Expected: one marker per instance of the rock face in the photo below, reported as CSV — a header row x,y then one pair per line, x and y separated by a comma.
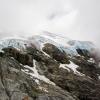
x,y
48,74
17,85
83,52
23,58
55,53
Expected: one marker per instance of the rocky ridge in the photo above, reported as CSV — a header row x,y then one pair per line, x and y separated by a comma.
x,y
45,70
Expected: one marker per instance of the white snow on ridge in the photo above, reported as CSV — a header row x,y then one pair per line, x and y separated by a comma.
x,y
72,67
91,60
16,43
36,74
64,66
63,43
58,39
43,89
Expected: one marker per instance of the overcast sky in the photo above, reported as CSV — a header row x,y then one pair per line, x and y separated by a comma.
x,y
77,19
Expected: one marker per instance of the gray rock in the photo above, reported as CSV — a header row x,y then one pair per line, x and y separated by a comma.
x,y
16,85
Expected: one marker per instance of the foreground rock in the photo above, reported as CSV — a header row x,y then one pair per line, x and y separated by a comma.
x,y
15,84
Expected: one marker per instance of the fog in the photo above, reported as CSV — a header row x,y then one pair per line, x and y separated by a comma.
x,y
77,19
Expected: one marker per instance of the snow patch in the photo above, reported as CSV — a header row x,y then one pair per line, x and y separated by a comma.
x,y
91,60
99,77
37,81
43,89
64,66
72,66
36,74
42,45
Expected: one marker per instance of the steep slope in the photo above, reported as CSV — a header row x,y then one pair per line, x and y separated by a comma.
x,y
48,67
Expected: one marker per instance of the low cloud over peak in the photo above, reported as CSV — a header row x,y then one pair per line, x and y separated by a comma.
x,y
74,18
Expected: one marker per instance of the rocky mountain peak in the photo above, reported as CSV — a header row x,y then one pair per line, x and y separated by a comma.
x,y
49,67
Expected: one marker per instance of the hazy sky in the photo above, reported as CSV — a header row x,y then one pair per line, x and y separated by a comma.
x,y
77,19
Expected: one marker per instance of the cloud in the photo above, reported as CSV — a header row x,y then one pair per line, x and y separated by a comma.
x,y
77,19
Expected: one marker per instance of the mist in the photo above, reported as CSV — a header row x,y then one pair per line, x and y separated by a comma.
x,y
77,19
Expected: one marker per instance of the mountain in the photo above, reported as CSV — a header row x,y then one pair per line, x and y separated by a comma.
x,y
62,42
48,67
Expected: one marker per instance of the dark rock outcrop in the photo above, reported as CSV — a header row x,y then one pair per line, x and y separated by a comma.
x,y
55,53
83,52
23,58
